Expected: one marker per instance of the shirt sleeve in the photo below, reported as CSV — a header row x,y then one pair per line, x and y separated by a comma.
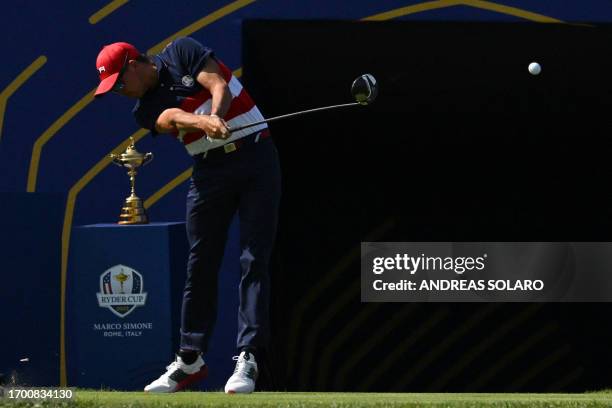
x,y
192,55
146,118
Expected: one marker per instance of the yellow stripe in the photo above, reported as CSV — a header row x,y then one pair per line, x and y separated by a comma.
x,y
49,133
177,181
436,350
415,8
106,10
513,353
67,229
204,21
566,380
312,295
381,332
2,110
459,366
321,286
17,82
406,343
511,11
481,4
543,363
323,318
344,333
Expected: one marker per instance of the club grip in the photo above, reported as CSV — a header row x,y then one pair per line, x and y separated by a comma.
x,y
248,125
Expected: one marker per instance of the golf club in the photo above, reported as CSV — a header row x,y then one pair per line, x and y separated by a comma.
x,y
364,89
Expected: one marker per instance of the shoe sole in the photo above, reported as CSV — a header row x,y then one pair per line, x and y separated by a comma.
x,y
200,375
238,392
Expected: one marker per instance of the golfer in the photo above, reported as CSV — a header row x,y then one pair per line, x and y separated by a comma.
x,y
187,92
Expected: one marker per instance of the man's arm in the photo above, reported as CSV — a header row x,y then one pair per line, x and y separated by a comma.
x,y
210,77
175,119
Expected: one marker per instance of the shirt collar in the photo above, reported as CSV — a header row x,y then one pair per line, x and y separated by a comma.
x,y
161,70
159,64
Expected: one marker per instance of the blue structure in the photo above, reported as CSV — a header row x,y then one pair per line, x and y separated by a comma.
x,y
30,293
124,298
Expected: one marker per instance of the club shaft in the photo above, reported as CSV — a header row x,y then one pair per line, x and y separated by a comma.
x,y
248,125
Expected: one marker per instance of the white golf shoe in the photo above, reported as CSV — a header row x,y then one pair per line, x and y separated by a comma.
x,y
179,375
245,375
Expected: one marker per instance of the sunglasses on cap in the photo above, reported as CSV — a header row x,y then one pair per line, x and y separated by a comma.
x,y
119,85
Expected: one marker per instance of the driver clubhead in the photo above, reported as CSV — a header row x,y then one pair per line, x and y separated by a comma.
x,y
365,89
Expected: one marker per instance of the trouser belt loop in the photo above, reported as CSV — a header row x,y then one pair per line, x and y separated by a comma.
x,y
235,145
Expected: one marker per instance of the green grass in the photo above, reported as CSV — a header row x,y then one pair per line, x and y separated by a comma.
x,y
340,400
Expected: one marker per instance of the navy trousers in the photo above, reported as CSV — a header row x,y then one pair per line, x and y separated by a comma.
x,y
246,181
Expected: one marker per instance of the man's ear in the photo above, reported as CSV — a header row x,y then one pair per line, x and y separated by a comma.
x,y
132,64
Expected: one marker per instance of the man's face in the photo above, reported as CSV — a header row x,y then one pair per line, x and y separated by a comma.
x,y
131,80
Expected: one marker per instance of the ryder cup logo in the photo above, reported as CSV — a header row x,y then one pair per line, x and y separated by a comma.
x,y
121,290
187,80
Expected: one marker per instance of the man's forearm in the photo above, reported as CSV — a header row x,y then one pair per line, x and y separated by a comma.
x,y
188,122
221,100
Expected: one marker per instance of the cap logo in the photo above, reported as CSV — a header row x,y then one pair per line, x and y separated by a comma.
x,y
102,69
187,80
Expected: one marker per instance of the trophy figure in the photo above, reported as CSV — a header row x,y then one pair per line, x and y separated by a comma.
x,y
122,277
133,211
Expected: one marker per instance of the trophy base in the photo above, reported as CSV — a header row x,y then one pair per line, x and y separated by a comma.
x,y
133,212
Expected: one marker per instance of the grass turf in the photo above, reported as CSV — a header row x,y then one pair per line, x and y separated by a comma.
x,y
314,399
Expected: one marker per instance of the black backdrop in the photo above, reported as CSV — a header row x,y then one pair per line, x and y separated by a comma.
x,y
463,144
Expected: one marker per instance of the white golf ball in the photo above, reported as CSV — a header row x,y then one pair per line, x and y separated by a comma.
x,y
535,68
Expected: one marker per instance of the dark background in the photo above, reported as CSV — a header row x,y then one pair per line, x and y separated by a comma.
x,y
463,144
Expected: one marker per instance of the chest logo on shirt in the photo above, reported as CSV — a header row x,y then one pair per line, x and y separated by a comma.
x,y
187,80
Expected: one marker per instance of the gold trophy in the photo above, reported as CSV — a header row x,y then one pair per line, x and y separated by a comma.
x,y
122,277
133,211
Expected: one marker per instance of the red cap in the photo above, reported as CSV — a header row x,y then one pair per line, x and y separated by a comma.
x,y
109,63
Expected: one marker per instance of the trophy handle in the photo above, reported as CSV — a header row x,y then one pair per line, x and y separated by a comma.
x,y
116,159
148,157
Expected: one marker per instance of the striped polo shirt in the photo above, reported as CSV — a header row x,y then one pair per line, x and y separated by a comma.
x,y
178,66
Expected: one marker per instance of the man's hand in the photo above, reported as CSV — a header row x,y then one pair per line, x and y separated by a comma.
x,y
215,127
175,119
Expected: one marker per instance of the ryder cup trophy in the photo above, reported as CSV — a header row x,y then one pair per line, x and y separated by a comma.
x,y
133,211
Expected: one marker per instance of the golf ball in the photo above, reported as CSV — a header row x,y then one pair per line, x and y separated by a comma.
x,y
535,68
